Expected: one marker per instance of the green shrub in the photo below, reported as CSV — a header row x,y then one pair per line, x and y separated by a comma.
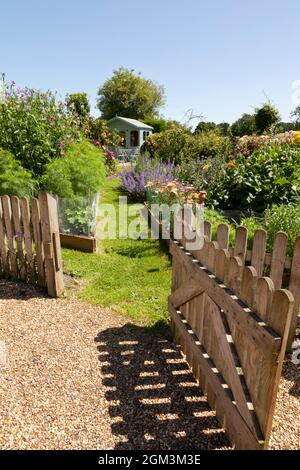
x,y
204,145
202,173
79,173
215,218
14,180
78,104
166,146
159,125
252,224
270,175
284,218
179,145
35,127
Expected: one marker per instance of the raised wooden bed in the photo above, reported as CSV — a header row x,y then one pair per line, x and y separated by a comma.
x,y
79,242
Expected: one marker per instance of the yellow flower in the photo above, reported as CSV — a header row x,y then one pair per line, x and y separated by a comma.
x,y
231,164
206,166
296,138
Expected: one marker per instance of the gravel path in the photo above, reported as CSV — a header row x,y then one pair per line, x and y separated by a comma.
x,y
80,377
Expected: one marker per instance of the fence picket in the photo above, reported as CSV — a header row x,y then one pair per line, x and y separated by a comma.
x,y
259,251
25,213
3,245
263,297
19,235
223,236
22,241
294,287
49,226
248,285
278,258
234,274
37,234
222,261
6,206
240,247
207,230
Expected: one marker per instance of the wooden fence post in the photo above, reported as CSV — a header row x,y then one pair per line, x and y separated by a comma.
x,y
51,244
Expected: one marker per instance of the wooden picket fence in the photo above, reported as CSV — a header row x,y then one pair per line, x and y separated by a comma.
x,y
284,271
29,242
233,325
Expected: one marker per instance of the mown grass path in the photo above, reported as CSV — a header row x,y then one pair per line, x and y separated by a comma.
x,y
131,277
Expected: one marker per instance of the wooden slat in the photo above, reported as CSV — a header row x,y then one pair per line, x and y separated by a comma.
x,y
222,265
234,274
207,230
264,338
294,287
185,293
223,236
3,245
240,246
212,250
259,251
232,372
278,258
280,319
9,228
248,285
25,213
263,297
49,225
37,234
235,424
19,236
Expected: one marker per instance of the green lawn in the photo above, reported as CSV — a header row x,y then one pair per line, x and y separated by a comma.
x,y
130,276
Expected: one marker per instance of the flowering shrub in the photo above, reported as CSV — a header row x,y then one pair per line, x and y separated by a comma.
x,y
296,138
173,192
35,127
202,173
135,179
270,175
109,157
166,146
205,144
248,143
179,145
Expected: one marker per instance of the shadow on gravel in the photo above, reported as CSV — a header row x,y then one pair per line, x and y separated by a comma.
x,y
154,401
18,290
291,372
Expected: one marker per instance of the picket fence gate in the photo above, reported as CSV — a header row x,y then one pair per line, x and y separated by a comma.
x,y
283,270
233,325
29,242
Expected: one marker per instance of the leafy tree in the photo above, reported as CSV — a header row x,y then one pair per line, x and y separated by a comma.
x,y
204,126
78,103
127,94
245,125
265,117
159,125
296,114
224,128
288,126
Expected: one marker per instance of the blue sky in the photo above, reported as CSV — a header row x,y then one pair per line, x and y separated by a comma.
x,y
219,58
